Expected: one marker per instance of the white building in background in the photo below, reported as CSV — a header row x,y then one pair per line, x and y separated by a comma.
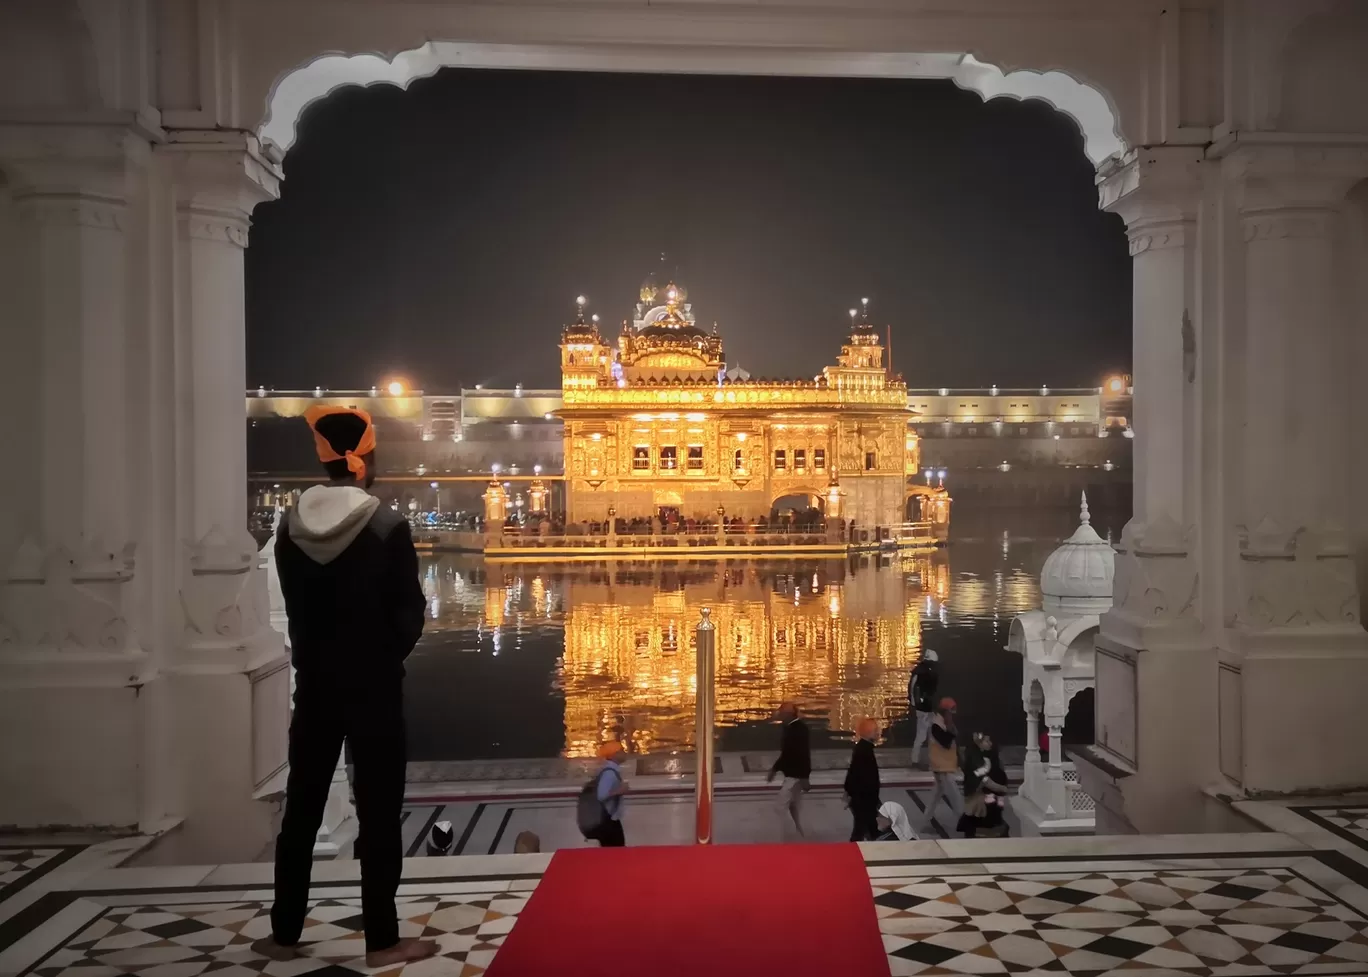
x,y
1058,662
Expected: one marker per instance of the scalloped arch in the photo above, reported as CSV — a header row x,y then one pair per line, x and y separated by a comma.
x,y
293,92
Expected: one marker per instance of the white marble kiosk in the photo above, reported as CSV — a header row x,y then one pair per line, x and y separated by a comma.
x,y
1055,642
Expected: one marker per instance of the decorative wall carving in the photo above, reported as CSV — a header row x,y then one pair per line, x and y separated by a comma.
x,y
1157,236
1296,578
217,229
224,596
71,211
59,600
1271,225
1156,578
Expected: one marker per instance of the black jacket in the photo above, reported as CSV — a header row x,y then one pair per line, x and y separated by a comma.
x,y
862,779
349,576
795,753
921,686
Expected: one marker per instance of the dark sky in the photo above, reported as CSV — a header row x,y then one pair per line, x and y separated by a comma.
x,y
444,231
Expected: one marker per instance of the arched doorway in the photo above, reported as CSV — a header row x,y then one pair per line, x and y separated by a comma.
x,y
159,272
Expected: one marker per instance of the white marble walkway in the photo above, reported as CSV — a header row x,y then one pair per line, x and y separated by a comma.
x,y
1292,899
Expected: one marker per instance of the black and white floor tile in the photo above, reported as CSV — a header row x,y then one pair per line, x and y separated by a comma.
x,y
1348,822
1185,921
18,863
215,938
1201,906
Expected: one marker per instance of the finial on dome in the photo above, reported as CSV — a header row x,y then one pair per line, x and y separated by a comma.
x,y
1083,516
580,302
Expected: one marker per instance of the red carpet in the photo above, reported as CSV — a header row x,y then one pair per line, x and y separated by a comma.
x,y
720,911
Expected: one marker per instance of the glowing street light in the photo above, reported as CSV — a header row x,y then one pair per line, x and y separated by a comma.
x,y
395,388
1116,385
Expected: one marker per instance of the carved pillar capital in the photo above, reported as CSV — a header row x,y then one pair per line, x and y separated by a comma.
x,y
1155,190
219,178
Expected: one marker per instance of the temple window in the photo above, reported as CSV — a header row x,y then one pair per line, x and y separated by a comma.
x,y
780,460
869,461
819,458
695,457
641,458
799,459
737,461
669,458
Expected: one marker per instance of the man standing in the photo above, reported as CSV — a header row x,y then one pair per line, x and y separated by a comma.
x,y
795,764
921,698
944,757
349,576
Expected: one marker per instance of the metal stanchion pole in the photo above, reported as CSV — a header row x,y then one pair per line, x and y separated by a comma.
x,y
705,638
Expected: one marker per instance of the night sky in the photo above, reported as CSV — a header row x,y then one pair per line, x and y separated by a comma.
x,y
443,232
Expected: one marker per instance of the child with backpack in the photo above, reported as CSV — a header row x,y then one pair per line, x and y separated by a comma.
x,y
599,811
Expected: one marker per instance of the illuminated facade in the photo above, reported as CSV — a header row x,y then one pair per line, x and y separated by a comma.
x,y
660,423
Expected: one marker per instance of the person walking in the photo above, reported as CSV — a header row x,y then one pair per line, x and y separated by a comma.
x,y
349,576
944,761
921,698
862,784
611,788
795,764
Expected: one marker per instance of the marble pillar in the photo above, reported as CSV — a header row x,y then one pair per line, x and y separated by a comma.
x,y
70,576
229,678
1032,736
1153,660
1297,646
1054,726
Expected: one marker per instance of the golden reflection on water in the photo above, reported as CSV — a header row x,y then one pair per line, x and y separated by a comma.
x,y
836,637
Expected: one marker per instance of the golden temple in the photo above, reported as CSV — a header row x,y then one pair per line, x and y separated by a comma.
x,y
660,423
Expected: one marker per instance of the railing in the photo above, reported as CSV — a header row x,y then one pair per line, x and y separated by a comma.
x,y
629,541
1065,798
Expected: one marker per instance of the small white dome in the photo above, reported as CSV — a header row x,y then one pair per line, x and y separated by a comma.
x,y
1079,573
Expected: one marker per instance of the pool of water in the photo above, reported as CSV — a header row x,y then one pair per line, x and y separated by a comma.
x,y
544,660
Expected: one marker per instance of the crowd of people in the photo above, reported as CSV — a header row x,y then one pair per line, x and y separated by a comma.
x,y
670,523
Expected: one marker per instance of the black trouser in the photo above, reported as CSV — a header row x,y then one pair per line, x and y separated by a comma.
x,y
865,812
610,834
373,725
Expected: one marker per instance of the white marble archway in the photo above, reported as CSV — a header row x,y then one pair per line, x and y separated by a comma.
x,y
1086,104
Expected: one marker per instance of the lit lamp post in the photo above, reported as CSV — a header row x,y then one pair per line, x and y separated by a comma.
x,y
437,487
496,504
536,497
705,638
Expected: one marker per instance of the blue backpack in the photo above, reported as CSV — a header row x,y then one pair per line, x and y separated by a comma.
x,y
590,812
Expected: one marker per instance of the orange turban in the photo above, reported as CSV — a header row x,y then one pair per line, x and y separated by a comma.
x,y
868,728
607,751
353,457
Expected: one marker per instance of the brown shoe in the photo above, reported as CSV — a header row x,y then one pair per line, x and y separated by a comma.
x,y
406,950
268,947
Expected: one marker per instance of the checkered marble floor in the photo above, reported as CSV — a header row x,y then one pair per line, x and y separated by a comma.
x,y
1347,822
17,863
1198,905
215,938
1189,921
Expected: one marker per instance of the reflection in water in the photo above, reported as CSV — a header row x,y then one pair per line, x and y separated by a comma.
x,y
543,660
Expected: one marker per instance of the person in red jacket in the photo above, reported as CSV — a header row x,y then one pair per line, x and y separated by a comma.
x,y
349,576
